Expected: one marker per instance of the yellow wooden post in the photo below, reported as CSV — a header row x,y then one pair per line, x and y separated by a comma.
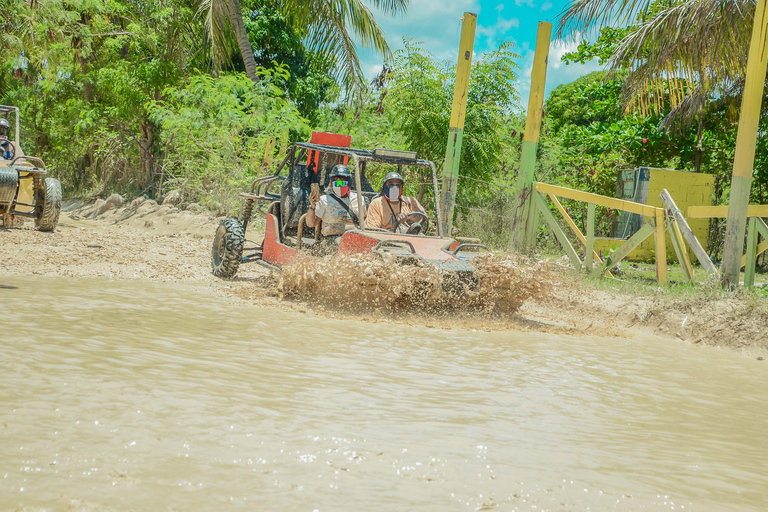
x,y
269,152
450,172
746,140
523,217
661,248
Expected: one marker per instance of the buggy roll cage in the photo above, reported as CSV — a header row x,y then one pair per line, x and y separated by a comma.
x,y
260,186
5,110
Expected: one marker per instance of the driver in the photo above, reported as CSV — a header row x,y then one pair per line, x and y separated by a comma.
x,y
391,208
337,208
5,144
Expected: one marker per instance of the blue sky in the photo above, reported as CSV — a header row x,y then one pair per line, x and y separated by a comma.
x,y
437,23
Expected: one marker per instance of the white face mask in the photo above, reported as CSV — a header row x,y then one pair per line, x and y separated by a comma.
x,y
394,193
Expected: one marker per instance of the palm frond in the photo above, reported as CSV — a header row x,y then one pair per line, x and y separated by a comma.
x,y
580,15
685,54
334,27
216,14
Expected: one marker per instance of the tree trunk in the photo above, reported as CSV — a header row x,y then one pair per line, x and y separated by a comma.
x,y
146,142
236,19
699,144
87,86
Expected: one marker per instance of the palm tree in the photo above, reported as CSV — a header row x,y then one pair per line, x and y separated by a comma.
x,y
220,17
333,25
689,51
331,28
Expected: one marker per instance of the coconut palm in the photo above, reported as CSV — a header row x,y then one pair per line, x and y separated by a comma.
x,y
331,29
222,19
685,51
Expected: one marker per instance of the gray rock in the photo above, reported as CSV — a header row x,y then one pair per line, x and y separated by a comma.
x,y
115,200
99,207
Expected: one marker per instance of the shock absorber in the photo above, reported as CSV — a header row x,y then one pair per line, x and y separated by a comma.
x,y
247,212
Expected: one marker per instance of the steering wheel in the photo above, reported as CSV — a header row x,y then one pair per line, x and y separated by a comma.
x,y
423,223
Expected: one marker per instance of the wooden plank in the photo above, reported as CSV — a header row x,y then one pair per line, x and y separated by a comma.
x,y
762,228
541,204
635,240
698,250
660,243
590,246
760,249
575,229
715,212
686,262
679,245
751,255
588,197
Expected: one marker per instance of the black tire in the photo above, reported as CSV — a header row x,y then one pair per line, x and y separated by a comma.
x,y
49,216
227,251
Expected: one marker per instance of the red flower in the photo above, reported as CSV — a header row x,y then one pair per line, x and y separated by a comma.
x,y
645,140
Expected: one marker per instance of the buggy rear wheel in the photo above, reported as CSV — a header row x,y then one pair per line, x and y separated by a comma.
x,y
227,251
49,216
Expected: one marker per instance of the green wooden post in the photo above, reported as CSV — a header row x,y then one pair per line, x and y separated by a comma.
x,y
450,172
590,236
522,220
746,140
749,268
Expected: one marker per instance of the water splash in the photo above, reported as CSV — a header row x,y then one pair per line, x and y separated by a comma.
x,y
368,282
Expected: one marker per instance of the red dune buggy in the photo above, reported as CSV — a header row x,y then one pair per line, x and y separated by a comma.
x,y
286,235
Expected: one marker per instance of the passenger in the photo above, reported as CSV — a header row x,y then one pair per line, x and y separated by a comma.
x,y
393,211
337,208
5,143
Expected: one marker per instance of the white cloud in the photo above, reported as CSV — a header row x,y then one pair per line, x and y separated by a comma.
x,y
546,6
558,72
436,23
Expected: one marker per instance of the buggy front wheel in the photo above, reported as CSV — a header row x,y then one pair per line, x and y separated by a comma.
x,y
49,215
227,251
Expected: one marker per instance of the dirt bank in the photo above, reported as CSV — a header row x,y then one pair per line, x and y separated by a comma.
x,y
147,241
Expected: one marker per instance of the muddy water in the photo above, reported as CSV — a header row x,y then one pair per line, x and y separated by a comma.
x,y
146,396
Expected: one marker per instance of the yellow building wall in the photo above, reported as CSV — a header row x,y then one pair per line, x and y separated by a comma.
x,y
687,189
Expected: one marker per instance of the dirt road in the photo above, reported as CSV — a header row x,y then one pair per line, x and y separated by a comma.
x,y
147,241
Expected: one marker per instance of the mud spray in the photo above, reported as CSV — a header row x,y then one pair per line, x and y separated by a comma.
x,y
367,283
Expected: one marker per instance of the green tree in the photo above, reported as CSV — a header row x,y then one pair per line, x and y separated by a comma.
x,y
330,29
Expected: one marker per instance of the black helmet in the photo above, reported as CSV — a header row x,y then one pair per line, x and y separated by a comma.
x,y
342,171
5,128
392,176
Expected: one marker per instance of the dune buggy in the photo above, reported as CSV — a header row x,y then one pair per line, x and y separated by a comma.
x,y
24,189
286,235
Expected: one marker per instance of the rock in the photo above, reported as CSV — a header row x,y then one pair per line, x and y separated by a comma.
x,y
192,207
173,198
115,200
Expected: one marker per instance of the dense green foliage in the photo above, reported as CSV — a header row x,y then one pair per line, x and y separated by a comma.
x,y
141,98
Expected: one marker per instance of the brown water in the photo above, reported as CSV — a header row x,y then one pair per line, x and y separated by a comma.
x,y
145,396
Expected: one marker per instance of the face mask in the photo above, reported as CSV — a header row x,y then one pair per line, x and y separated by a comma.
x,y
393,193
340,188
